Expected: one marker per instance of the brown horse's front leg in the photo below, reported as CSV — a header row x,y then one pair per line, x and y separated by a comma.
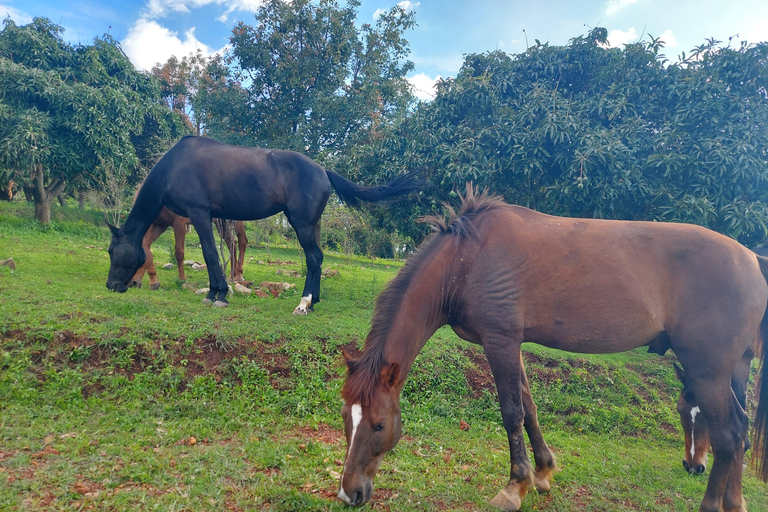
x,y
546,465
505,361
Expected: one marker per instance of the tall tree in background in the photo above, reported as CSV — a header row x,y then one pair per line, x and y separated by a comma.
x,y
73,113
314,80
588,131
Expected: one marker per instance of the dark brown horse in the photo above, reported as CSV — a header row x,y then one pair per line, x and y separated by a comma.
x,y
167,219
501,275
200,178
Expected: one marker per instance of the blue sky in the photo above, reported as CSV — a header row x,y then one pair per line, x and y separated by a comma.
x,y
152,30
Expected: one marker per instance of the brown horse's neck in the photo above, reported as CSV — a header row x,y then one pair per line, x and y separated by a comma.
x,y
420,312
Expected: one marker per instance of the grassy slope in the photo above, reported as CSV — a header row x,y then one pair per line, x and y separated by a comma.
x,y
103,393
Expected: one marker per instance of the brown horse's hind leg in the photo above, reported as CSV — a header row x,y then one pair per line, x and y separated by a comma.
x,y
179,236
505,361
242,243
546,466
727,431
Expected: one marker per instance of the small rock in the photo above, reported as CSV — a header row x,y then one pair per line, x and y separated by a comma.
x,y
242,289
463,425
8,263
169,266
197,266
202,291
262,294
189,263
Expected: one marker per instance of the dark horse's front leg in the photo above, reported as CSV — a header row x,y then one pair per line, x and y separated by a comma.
x,y
217,293
308,236
506,364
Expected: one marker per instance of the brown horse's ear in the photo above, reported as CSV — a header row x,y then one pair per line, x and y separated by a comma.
x,y
679,372
347,358
390,374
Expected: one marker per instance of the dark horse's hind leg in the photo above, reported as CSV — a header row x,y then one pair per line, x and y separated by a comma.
x,y
217,293
308,238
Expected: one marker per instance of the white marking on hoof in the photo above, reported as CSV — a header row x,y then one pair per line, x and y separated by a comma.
x,y
301,309
220,304
542,479
207,301
357,416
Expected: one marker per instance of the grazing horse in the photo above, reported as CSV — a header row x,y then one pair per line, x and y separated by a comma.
x,y
501,275
167,219
201,178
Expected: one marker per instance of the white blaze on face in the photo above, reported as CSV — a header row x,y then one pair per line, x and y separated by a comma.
x,y
357,416
694,412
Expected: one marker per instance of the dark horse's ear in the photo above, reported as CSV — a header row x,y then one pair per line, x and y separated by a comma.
x,y
680,373
114,229
390,374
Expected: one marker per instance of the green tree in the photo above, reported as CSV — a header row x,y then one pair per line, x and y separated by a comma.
x,y
72,113
585,130
315,81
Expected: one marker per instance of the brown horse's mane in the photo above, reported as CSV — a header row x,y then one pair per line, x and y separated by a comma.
x,y
364,375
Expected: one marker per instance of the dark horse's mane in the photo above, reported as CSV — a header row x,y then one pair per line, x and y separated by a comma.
x,y
364,375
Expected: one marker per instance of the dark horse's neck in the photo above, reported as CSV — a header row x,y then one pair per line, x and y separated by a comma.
x,y
145,208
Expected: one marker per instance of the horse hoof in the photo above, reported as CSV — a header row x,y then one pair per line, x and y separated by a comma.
x,y
207,301
510,499
220,304
300,311
155,286
507,502
542,479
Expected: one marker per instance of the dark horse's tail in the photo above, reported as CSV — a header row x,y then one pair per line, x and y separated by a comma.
x,y
760,433
352,193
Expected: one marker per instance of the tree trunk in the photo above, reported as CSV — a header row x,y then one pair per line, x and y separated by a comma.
x,y
43,211
43,195
81,200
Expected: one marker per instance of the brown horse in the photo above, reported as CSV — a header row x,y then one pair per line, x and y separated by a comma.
x,y
167,219
501,275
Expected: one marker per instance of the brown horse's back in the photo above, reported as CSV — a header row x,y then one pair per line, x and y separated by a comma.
x,y
599,286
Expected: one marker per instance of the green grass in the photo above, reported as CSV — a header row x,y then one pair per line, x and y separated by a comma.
x,y
102,393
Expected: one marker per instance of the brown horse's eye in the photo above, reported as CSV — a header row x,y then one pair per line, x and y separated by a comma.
x,y
378,427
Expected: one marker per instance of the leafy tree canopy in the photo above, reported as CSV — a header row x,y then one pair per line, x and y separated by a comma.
x,y
314,81
585,130
71,113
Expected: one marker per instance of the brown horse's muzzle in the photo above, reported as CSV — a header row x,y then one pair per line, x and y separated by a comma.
x,y
361,494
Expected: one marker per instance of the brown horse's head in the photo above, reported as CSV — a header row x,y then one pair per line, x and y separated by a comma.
x,y
125,258
372,425
694,427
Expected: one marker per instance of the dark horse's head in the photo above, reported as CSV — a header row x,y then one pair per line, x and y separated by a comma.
x,y
372,424
125,258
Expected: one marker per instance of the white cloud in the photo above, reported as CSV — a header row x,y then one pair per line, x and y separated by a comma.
x,y
148,43
617,38
406,5
615,6
18,16
161,8
424,86
670,41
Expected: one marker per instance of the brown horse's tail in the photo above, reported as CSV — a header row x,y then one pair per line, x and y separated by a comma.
x,y
352,193
760,432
